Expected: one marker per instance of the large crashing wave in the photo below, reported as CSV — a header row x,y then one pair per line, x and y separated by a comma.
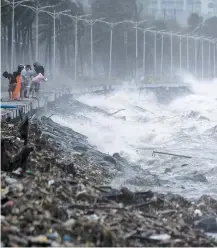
x,y
177,121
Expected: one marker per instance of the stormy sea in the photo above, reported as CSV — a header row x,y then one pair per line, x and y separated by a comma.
x,y
144,125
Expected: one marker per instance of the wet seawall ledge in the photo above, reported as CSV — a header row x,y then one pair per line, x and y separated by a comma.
x,y
27,106
30,106
13,109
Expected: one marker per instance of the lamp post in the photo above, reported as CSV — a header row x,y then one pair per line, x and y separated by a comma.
x,y
154,32
155,53
171,53
214,57
55,15
126,53
180,49
112,25
162,33
137,23
209,58
75,20
14,5
187,48
180,54
209,40
195,54
37,10
202,54
91,23
144,49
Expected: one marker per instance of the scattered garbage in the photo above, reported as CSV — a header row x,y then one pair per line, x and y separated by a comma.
x,y
56,203
67,238
29,172
51,182
9,180
208,224
160,237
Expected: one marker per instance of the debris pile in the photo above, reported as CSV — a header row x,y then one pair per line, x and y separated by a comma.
x,y
53,197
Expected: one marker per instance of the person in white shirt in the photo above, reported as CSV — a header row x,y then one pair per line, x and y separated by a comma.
x,y
25,78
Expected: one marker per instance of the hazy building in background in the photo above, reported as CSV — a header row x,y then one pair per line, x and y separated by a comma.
x,y
179,9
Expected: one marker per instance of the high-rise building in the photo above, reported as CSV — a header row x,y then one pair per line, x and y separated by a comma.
x,y
179,9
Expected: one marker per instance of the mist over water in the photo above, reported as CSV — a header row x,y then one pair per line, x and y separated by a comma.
x,y
185,125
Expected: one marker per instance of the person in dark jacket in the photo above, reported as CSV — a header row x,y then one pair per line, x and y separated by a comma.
x,y
38,68
12,83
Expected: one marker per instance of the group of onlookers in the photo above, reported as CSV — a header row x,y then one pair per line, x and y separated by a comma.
x,y
24,82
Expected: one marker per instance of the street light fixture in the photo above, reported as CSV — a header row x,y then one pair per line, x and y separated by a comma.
x,y
195,38
136,27
144,49
171,53
112,25
187,37
180,50
209,40
37,10
214,57
202,55
91,23
162,33
75,20
14,5
155,49
55,15
180,55
187,50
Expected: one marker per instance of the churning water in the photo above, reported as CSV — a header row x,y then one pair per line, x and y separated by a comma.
x,y
185,125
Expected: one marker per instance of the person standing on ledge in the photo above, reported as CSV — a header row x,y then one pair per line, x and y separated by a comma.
x,y
38,68
25,77
12,83
18,84
35,84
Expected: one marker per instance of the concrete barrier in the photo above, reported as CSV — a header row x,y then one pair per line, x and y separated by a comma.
x,y
28,105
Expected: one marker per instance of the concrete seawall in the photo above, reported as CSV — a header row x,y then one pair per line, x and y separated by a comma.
x,y
29,106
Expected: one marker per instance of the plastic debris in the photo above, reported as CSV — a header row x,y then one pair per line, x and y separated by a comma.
x,y
86,210
197,213
29,172
9,180
51,182
67,238
10,203
161,237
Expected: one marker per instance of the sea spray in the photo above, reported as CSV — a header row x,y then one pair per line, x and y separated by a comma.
x,y
185,126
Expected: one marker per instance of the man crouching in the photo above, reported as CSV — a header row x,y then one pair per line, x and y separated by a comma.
x,y
35,85
12,83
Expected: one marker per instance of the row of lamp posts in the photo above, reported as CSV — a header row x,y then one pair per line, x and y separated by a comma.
x,y
163,33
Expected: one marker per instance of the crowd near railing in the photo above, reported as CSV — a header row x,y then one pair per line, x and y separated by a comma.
x,y
196,54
